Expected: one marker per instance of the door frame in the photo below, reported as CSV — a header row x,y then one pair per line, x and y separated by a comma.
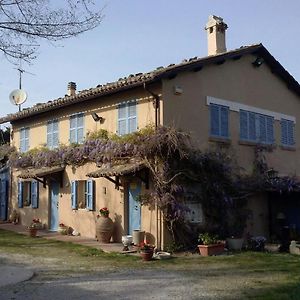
x,y
128,214
53,183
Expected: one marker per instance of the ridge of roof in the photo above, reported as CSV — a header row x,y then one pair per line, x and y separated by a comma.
x,y
135,80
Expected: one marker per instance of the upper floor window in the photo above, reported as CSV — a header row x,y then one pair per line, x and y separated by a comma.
x,y
287,132
256,127
219,120
52,134
127,119
76,128
24,139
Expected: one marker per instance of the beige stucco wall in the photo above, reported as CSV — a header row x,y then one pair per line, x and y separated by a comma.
x,y
105,107
237,81
83,220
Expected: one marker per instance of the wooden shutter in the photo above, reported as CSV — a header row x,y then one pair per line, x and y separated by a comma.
x,y
262,123
290,133
252,126
284,132
80,125
122,119
214,120
73,129
270,130
20,193
244,135
224,113
34,194
89,194
132,118
74,195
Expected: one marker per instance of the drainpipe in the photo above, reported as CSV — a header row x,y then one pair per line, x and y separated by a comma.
x,y
157,114
155,104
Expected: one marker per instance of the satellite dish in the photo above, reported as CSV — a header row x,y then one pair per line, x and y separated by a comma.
x,y
17,97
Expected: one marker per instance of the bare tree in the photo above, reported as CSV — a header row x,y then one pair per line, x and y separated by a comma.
x,y
24,22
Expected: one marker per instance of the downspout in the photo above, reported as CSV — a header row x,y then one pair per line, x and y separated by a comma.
x,y
155,104
157,114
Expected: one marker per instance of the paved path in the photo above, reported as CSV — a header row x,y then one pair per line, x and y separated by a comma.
x,y
12,275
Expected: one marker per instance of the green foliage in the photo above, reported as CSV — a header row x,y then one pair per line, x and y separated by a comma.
x,y
207,238
99,134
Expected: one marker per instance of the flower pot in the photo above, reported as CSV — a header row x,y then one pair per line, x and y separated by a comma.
x,y
104,229
235,243
138,237
146,254
63,230
213,249
32,232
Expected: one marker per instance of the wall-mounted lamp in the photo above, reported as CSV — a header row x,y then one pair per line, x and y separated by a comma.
x,y
258,62
97,118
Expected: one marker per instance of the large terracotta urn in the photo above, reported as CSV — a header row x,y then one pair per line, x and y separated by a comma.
x,y
104,229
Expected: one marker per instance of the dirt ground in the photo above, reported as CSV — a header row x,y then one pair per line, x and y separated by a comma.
x,y
52,281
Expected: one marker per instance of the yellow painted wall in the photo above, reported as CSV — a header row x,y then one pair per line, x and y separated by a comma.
x,y
237,81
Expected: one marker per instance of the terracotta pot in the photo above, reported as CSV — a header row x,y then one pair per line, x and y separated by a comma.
x,y
214,249
104,229
32,232
146,254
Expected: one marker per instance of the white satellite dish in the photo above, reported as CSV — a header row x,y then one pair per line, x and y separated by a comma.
x,y
17,97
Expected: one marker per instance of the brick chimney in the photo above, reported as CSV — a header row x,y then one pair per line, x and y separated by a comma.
x,y
71,89
215,29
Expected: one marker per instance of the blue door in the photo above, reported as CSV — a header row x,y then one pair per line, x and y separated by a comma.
x,y
3,199
134,208
54,190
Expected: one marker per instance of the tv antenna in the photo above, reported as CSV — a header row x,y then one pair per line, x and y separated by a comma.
x,y
19,96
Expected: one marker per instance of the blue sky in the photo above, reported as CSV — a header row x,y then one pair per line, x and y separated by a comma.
x,y
139,35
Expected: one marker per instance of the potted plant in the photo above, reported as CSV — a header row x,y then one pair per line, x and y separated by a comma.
x,y
146,251
63,229
210,244
34,226
104,226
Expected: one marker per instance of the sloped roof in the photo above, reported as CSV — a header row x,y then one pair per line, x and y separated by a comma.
x,y
42,172
117,169
170,71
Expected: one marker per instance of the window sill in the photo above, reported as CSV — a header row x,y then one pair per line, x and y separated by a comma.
x,y
287,148
222,140
249,143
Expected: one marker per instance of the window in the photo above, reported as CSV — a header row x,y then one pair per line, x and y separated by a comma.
x,y
76,128
287,132
52,134
219,115
24,139
256,127
82,194
195,213
28,193
127,119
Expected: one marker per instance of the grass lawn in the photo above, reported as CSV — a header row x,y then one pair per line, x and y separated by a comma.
x,y
255,275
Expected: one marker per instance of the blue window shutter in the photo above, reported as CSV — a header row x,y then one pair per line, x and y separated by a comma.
x,y
73,129
224,121
80,125
284,132
35,194
74,201
214,120
24,139
252,126
122,119
270,130
132,118
244,135
291,135
262,123
90,194
20,194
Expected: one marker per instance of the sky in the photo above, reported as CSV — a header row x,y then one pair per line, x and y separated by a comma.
x,y
141,35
